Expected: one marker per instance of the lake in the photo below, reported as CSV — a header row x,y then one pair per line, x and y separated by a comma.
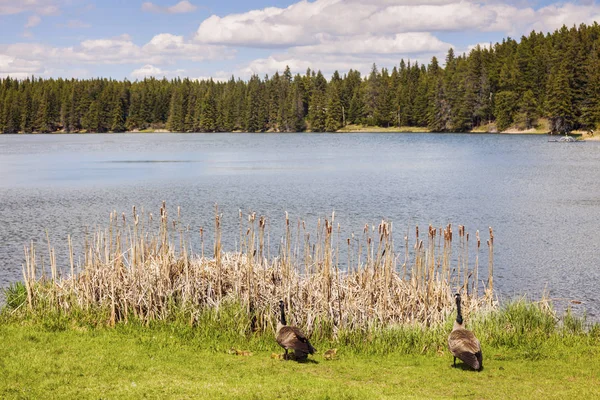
x,y
541,198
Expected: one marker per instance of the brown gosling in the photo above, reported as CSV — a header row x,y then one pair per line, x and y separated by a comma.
x,y
462,343
237,352
292,338
330,354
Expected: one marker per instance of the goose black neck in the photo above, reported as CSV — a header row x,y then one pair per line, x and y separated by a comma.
x,y
282,308
459,317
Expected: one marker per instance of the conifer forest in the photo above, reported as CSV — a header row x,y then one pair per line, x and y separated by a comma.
x,y
513,83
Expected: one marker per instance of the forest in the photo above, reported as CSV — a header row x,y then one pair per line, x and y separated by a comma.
x,y
555,76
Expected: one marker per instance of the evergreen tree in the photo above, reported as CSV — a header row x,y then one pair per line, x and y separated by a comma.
x,y
334,114
527,110
505,109
552,76
208,120
317,109
559,101
27,112
590,117
91,120
119,113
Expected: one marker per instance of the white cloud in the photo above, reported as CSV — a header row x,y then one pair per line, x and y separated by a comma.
x,y
43,7
168,45
367,45
32,21
163,48
256,28
556,15
482,45
342,34
180,8
217,77
325,63
149,70
307,23
12,65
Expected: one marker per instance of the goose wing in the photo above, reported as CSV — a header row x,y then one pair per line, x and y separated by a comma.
x,y
464,345
292,338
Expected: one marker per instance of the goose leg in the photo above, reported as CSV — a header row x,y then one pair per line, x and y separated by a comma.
x,y
453,365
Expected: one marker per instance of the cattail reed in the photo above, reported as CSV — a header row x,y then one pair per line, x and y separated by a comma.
x,y
131,271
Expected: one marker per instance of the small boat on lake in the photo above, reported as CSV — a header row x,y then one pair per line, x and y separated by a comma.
x,y
564,139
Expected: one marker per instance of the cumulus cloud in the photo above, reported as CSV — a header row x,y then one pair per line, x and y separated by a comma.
x,y
149,70
275,26
308,23
320,34
163,48
367,45
180,8
343,34
325,63
10,65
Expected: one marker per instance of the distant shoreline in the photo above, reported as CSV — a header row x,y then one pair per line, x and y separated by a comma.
x,y
581,135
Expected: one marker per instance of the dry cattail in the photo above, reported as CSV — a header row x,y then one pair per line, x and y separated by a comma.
x,y
414,294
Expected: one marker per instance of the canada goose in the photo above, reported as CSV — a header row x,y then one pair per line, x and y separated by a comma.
x,y
463,343
292,338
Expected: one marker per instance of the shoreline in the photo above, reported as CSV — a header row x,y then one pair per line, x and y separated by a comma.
x,y
580,135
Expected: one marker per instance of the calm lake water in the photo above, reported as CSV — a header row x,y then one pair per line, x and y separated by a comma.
x,y
543,199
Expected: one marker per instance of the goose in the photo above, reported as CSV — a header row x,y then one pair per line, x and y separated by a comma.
x,y
462,343
292,338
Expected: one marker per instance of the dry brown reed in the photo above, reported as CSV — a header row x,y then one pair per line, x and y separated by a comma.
x,y
132,271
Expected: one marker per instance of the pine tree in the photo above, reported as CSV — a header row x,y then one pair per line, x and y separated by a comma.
x,y
317,109
505,104
119,113
590,117
527,110
91,120
208,120
27,112
11,114
334,114
177,109
559,101
438,107
134,118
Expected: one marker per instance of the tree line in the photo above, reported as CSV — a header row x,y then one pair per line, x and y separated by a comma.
x,y
512,83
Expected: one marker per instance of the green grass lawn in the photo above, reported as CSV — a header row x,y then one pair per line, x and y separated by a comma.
x,y
137,362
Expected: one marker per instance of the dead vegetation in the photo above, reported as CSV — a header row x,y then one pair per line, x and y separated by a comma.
x,y
129,271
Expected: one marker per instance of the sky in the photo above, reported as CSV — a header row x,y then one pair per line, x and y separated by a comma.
x,y
198,39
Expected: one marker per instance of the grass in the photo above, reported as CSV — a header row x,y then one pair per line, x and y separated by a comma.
x,y
527,354
143,318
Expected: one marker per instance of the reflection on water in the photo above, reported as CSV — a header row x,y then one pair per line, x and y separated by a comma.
x,y
542,199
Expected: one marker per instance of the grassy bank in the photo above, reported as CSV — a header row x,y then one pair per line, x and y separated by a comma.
x,y
527,354
142,317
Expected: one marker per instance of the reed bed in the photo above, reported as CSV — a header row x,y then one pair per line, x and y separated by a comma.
x,y
141,268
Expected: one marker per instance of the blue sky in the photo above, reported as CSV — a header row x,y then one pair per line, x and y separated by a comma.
x,y
198,39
